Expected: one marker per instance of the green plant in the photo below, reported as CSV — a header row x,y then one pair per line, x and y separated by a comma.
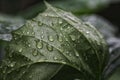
x,y
55,45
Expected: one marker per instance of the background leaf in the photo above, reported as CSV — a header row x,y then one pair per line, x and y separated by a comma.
x,y
76,6
52,44
8,24
109,32
105,27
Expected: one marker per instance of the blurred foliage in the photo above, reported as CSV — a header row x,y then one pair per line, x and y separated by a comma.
x,y
74,6
8,24
116,76
105,27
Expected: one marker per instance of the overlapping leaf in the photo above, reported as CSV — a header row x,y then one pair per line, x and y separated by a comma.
x,y
55,46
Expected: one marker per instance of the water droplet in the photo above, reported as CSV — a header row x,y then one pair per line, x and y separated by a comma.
x,y
23,72
77,55
68,27
12,64
66,39
30,76
20,50
34,53
77,79
60,38
61,28
42,32
55,58
15,38
50,38
46,15
4,71
61,49
28,32
73,37
39,23
50,48
33,33
29,45
63,62
42,36
51,24
68,53
87,32
39,45
60,22
39,60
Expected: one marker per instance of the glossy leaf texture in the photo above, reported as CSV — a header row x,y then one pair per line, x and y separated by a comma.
x,y
55,45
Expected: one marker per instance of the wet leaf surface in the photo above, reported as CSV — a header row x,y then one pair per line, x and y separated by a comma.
x,y
55,45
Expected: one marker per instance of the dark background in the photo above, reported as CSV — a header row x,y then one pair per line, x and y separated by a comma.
x,y
111,13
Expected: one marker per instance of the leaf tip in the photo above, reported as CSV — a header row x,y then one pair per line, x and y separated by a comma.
x,y
47,4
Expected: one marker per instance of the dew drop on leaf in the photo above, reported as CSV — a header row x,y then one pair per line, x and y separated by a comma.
x,y
39,45
39,23
60,22
28,32
60,38
20,50
30,76
55,58
72,37
12,64
87,32
50,48
50,38
66,39
42,36
34,53
4,71
77,55
23,72
77,79
61,49
69,54
29,45
42,32
33,33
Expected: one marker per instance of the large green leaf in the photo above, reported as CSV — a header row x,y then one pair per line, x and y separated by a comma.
x,y
55,46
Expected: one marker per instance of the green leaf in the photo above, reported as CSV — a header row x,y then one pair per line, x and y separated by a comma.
x,y
55,45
